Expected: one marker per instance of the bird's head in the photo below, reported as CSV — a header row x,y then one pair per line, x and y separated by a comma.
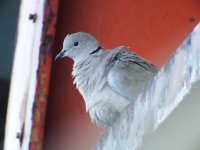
x,y
78,46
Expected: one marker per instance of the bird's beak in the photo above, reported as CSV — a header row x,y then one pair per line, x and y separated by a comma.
x,y
60,55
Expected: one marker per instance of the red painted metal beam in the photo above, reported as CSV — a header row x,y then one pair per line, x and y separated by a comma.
x,y
153,29
43,74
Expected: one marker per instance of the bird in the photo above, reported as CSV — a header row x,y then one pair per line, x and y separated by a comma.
x,y
108,79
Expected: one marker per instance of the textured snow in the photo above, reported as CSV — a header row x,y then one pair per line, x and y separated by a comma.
x,y
158,100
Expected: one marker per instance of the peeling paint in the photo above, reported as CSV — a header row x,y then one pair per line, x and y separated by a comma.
x,y
43,74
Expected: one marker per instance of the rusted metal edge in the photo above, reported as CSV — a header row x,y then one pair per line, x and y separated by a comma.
x,y
43,74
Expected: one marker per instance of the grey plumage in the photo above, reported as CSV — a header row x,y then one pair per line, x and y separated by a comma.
x,y
108,80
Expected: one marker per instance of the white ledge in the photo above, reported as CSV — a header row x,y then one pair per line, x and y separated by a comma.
x,y
170,86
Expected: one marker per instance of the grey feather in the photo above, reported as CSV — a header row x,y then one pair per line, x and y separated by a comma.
x,y
108,80
130,73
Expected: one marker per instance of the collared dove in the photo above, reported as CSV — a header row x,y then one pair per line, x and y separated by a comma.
x,y
108,80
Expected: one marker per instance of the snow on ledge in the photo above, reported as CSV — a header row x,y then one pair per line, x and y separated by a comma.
x,y
172,83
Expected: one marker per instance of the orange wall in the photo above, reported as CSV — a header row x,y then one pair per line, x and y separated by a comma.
x,y
152,28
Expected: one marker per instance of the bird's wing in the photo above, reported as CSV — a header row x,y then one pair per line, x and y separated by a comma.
x,y
129,73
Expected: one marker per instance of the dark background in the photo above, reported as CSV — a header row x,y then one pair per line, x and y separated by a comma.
x,y
9,10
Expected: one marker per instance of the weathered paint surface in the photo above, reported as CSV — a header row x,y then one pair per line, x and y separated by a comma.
x,y
43,74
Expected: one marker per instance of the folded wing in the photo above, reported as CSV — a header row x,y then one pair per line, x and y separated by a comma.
x,y
129,73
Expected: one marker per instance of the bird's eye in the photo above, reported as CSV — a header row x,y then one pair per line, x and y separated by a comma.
x,y
76,43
